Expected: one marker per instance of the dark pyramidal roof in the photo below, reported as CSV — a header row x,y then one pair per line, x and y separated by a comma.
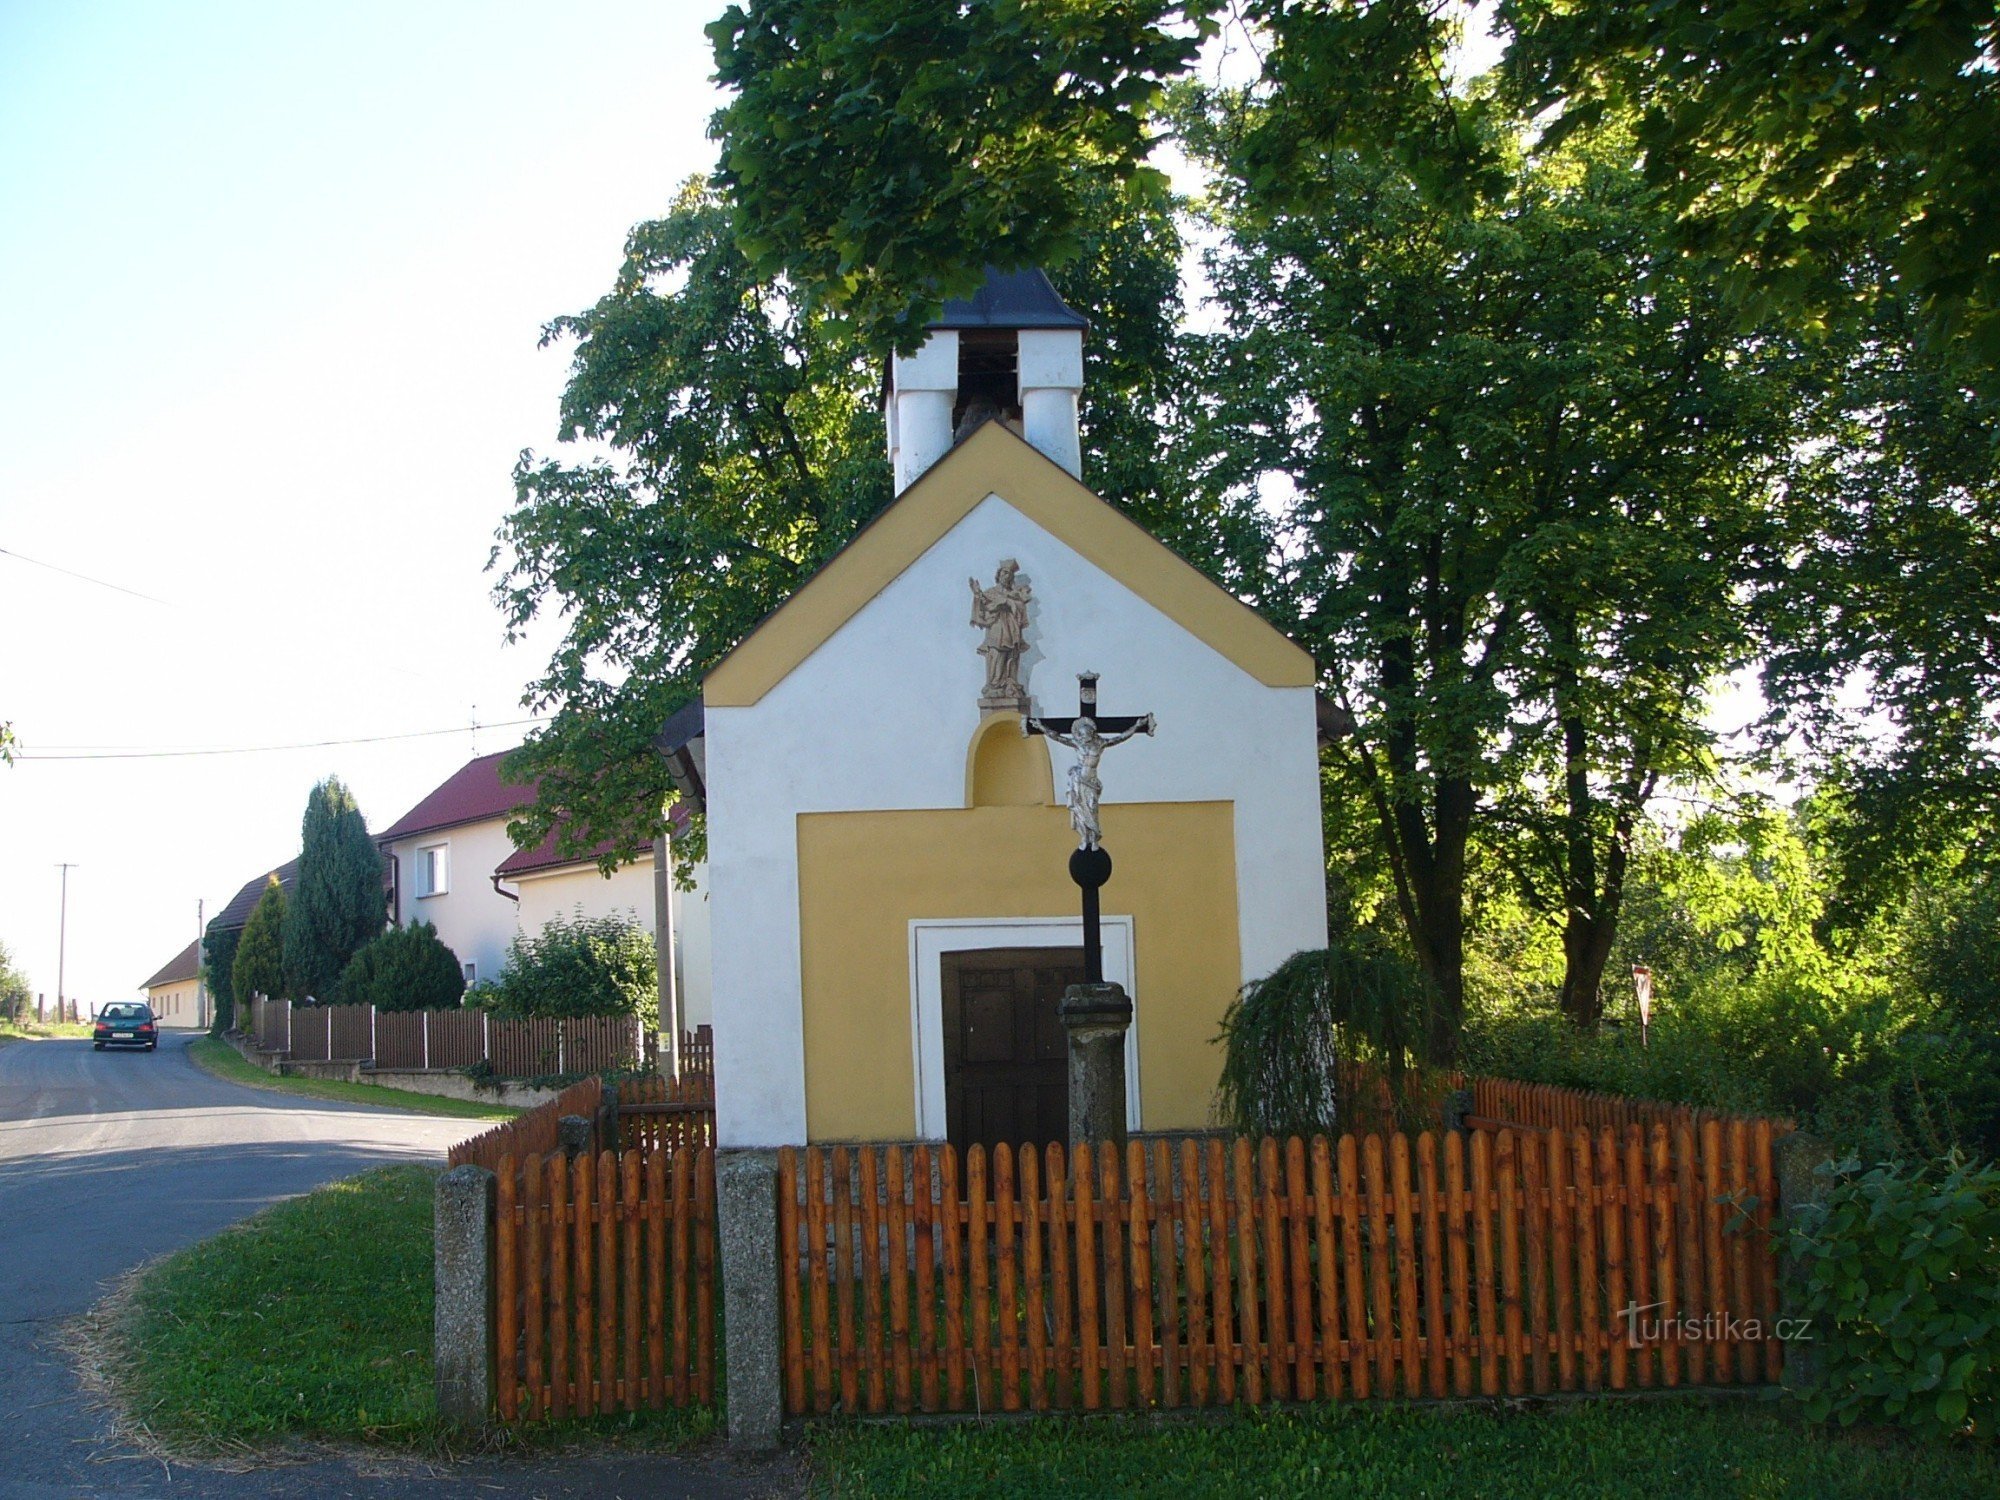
x,y
1011,299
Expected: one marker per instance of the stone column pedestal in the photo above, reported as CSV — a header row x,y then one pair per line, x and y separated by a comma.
x,y
746,1208
462,1350
1096,1016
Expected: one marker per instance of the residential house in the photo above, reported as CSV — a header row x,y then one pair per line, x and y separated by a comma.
x,y
452,864
176,993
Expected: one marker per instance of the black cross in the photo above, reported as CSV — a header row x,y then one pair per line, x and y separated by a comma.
x,y
1086,708
1089,868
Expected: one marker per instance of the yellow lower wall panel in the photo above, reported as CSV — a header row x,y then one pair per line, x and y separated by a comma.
x,y
865,876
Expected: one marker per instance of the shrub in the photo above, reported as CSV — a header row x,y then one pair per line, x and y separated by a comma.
x,y
1286,1035
259,965
406,968
338,904
218,960
1901,1274
582,966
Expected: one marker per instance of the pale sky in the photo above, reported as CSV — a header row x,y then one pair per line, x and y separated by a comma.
x,y
271,282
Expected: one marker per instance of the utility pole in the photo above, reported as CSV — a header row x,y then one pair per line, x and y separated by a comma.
x,y
200,988
62,939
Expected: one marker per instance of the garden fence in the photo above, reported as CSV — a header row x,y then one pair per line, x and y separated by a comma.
x,y
604,1283
1203,1273
429,1039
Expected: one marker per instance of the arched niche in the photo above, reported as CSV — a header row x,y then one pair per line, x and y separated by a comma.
x,y
1006,768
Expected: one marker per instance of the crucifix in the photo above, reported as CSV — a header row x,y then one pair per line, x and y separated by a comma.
x,y
1090,735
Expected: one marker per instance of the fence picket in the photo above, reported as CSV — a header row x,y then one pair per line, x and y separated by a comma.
x,y
1031,1275
1562,1250
978,1287
1222,1303
925,1216
844,1279
1324,1218
507,1277
1006,1317
869,1222
1248,1332
894,1254
1435,1337
1111,1241
1405,1298
1358,1381
1139,1276
1089,1330
788,1260
822,1328
952,1226
1296,1216
1277,1327
1062,1354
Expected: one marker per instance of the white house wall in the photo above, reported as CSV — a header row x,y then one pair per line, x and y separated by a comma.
x,y
879,718
472,919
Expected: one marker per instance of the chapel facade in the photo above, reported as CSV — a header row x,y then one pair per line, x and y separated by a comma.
x,y
892,915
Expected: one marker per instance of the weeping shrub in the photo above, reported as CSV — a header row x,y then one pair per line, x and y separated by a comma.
x,y
1288,1037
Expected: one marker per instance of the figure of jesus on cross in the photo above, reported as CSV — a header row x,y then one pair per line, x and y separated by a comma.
x,y
1085,734
1090,735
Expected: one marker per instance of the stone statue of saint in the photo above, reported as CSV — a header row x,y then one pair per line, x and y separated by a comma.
x,y
1085,789
1002,612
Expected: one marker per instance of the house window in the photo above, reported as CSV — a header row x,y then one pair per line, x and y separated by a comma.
x,y
472,973
433,870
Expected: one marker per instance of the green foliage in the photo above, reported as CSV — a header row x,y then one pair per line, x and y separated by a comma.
x,y
582,966
1285,1037
213,1055
882,153
747,447
1520,475
1823,156
17,999
338,903
218,962
1901,1276
406,968
259,965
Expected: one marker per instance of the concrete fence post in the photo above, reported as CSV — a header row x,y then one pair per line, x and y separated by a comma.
x,y
425,1027
746,1203
1796,1160
462,1348
371,1031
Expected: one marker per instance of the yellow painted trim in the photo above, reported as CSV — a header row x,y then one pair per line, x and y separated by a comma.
x,y
994,461
865,876
989,783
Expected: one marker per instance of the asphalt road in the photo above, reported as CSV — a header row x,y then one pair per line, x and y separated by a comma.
x,y
110,1158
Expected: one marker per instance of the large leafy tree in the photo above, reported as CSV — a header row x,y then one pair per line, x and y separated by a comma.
x,y
1518,470
338,904
744,447
1884,628
883,152
1803,144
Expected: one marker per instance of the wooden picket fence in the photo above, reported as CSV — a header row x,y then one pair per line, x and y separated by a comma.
x,y
604,1283
1505,1103
432,1039
657,1113
533,1132
1204,1273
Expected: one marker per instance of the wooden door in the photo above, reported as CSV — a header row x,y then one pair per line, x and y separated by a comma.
x,y
1006,1063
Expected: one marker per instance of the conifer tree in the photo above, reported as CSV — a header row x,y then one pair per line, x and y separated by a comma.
x,y
337,905
259,968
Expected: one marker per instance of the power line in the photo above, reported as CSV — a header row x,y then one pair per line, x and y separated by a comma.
x,y
373,739
117,588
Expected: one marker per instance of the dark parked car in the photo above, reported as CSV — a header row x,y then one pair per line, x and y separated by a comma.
x,y
126,1025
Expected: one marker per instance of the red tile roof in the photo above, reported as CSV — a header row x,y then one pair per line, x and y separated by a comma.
x,y
472,794
544,856
183,965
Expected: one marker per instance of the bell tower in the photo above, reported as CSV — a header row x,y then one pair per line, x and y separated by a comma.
x,y
1014,350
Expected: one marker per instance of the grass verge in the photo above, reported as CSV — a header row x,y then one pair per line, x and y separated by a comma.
x,y
224,1061
1687,1449
27,1031
309,1322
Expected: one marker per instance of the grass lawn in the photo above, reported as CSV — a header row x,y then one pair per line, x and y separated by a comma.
x,y
224,1061
17,1031
1650,1450
311,1320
